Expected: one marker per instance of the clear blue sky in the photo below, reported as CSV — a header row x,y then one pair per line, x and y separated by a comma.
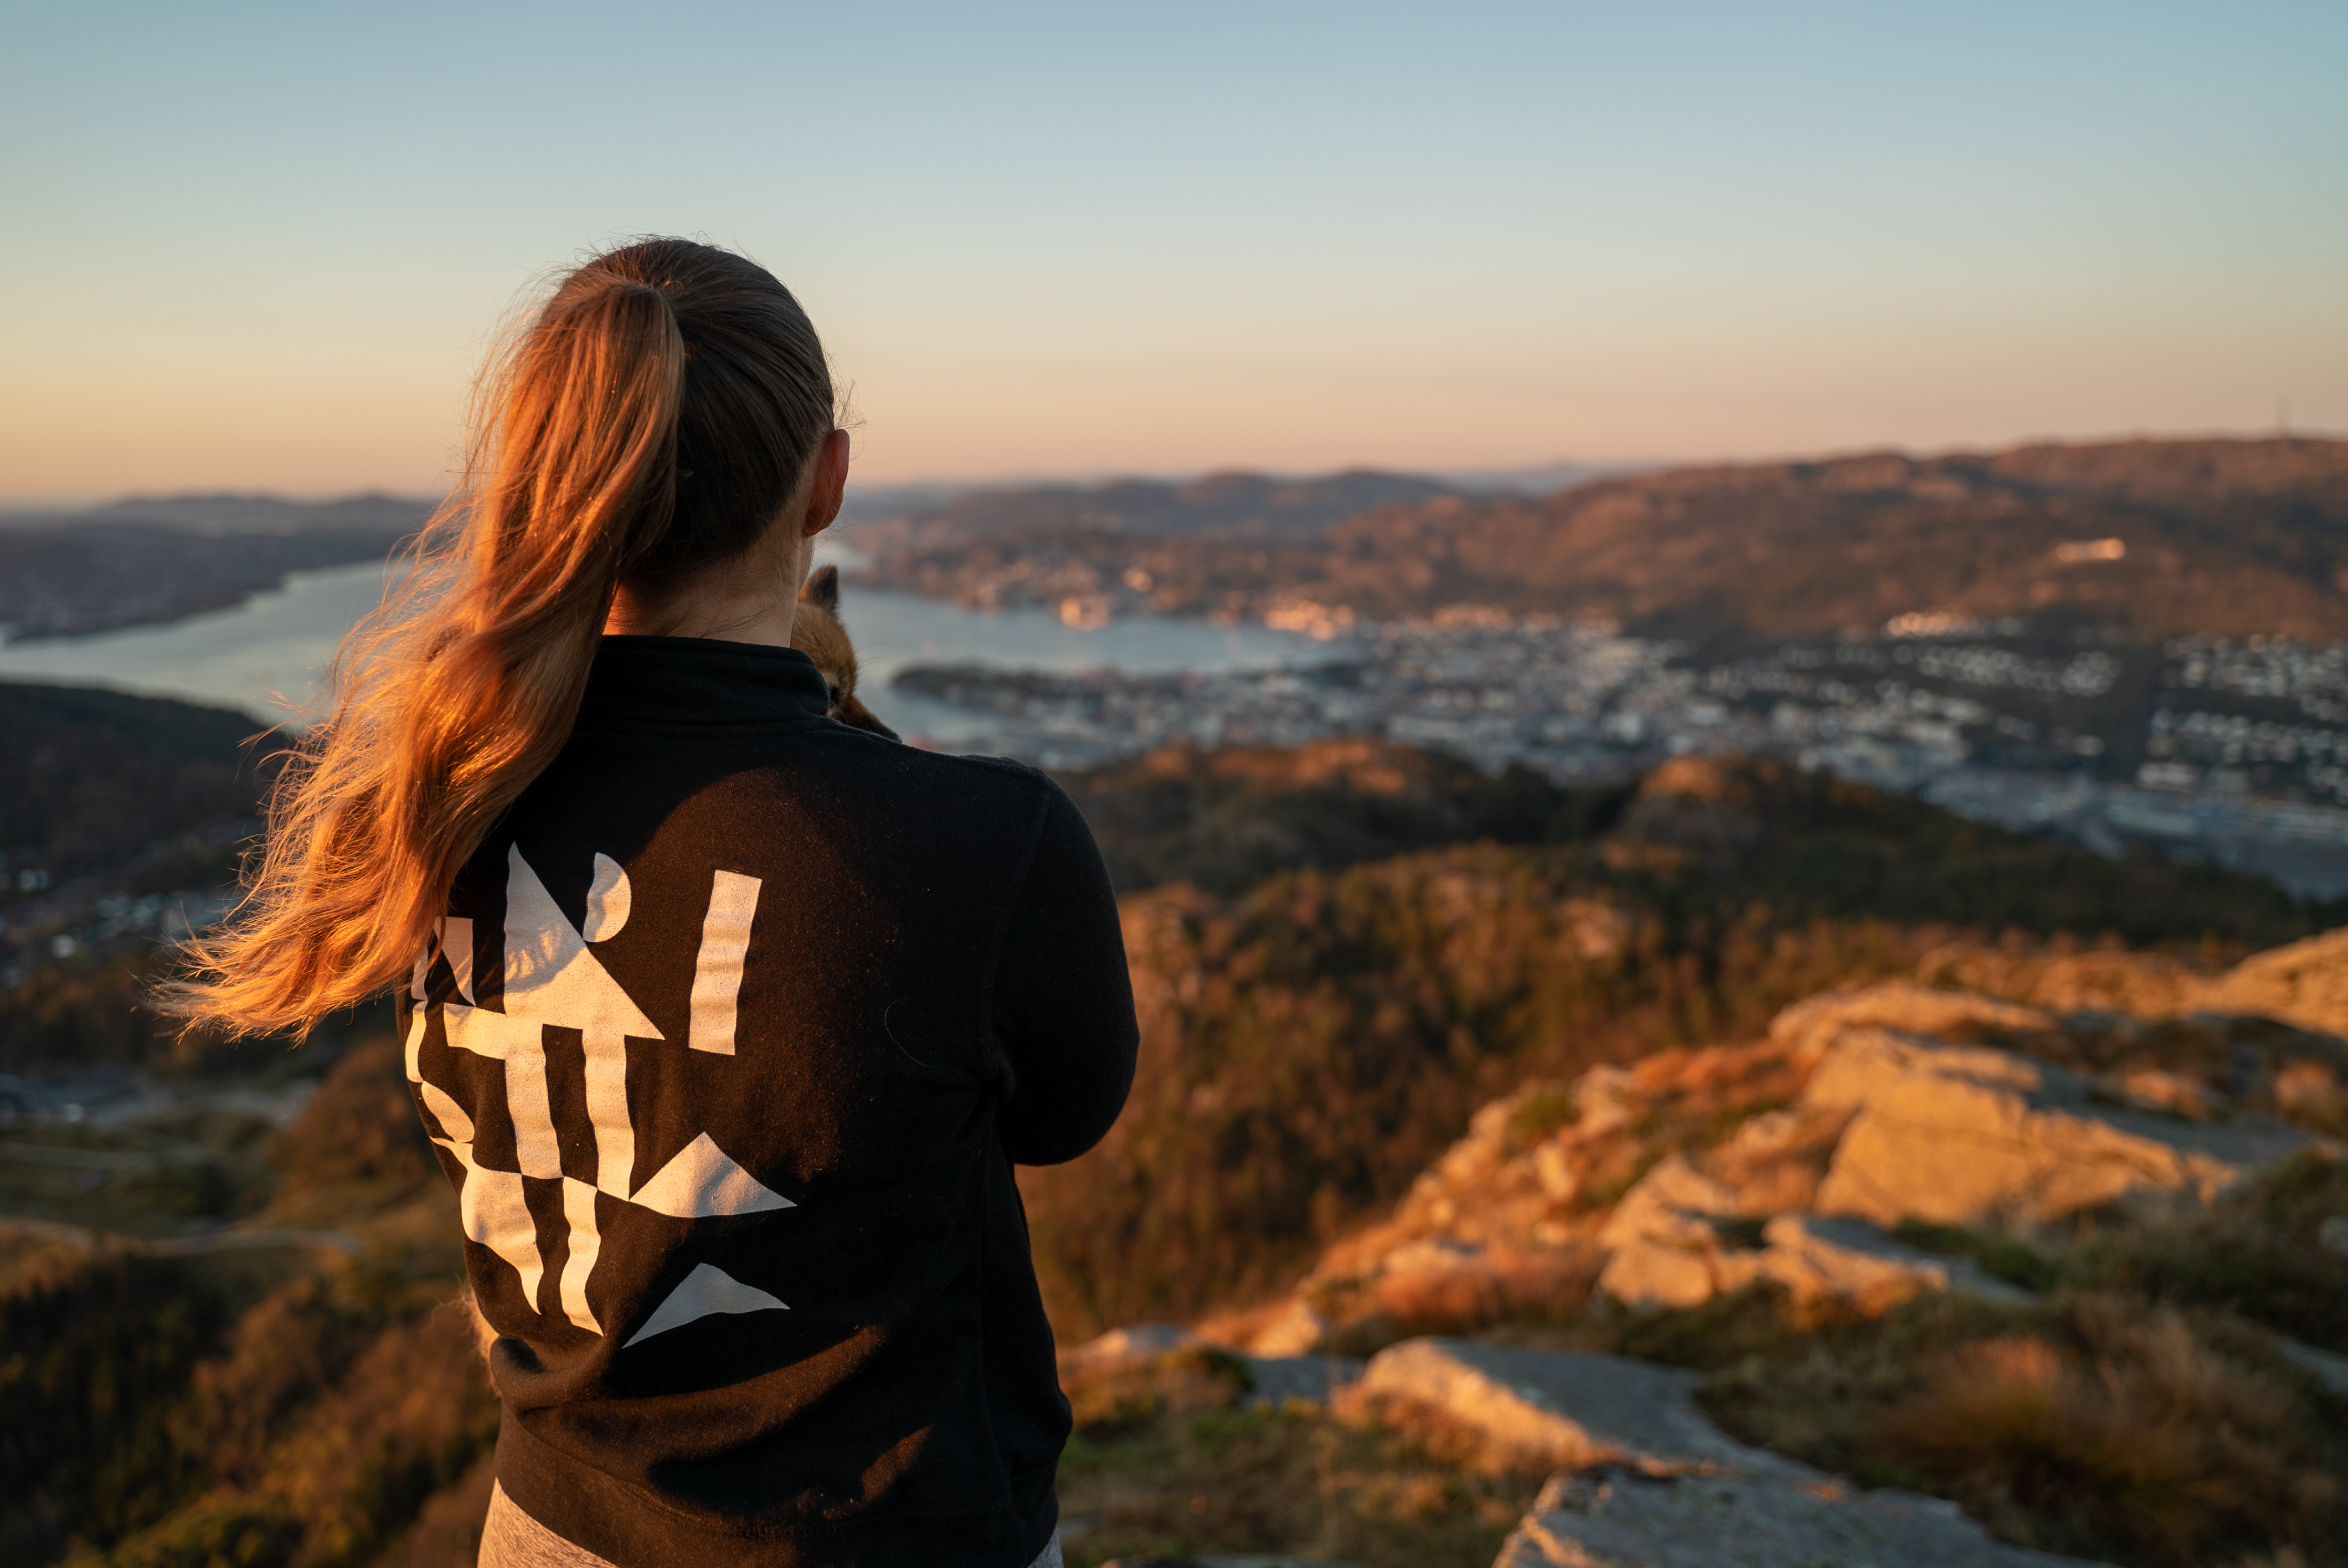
x,y
250,245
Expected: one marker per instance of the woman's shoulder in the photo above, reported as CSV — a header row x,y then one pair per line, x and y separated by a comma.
x,y
909,783
946,778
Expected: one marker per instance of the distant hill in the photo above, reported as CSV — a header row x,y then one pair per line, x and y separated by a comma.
x,y
151,561
2147,538
1228,506
233,513
373,514
90,778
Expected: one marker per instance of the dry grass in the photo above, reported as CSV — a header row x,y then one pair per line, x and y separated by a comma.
x,y
2093,1425
1503,1286
1440,1435
2257,1251
1170,1460
2018,1419
1120,1399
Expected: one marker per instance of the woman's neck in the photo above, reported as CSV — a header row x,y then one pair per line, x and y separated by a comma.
x,y
755,596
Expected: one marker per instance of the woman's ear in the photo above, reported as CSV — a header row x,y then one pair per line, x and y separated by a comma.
x,y
830,487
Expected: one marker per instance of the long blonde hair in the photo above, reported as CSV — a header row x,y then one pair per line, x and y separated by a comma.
x,y
650,420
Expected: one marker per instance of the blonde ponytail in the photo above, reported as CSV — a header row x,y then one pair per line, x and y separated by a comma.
x,y
651,421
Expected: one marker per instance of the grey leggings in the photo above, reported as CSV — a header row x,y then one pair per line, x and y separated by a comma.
x,y
512,1539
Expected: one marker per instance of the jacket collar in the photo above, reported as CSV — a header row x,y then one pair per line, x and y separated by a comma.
x,y
696,683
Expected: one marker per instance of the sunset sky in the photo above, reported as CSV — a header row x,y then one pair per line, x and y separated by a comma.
x,y
260,247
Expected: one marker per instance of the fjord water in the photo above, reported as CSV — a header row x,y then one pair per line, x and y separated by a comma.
x,y
266,656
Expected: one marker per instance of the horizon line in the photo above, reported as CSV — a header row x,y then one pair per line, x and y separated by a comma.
x,y
1491,476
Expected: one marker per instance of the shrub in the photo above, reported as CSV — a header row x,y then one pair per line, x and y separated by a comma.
x,y
360,1127
2256,1252
2016,1418
94,1353
2091,1424
236,1533
2000,1257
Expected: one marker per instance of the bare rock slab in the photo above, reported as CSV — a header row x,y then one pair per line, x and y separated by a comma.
x,y
1615,1518
2305,984
1276,1379
1127,1347
1563,1407
1968,1135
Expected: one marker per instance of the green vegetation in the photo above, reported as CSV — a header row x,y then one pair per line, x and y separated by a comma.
x,y
104,795
1697,841
1225,820
98,1349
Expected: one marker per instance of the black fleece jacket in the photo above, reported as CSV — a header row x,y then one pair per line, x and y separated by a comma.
x,y
730,1040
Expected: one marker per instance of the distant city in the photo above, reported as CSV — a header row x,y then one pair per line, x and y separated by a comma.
x,y
2224,749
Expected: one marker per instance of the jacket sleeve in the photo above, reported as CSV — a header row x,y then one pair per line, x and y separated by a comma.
x,y
1063,1006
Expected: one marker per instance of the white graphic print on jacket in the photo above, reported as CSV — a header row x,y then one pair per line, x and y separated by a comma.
x,y
554,982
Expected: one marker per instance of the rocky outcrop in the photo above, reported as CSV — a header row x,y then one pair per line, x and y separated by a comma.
x,y
1813,1257
1795,1161
1972,1136
1928,1011
1127,1347
1272,1379
1787,1160
1900,1118
2305,984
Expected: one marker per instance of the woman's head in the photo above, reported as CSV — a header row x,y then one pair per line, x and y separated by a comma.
x,y
654,417
662,407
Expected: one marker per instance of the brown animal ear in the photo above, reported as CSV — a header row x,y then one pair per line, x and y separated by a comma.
x,y
853,713
823,588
